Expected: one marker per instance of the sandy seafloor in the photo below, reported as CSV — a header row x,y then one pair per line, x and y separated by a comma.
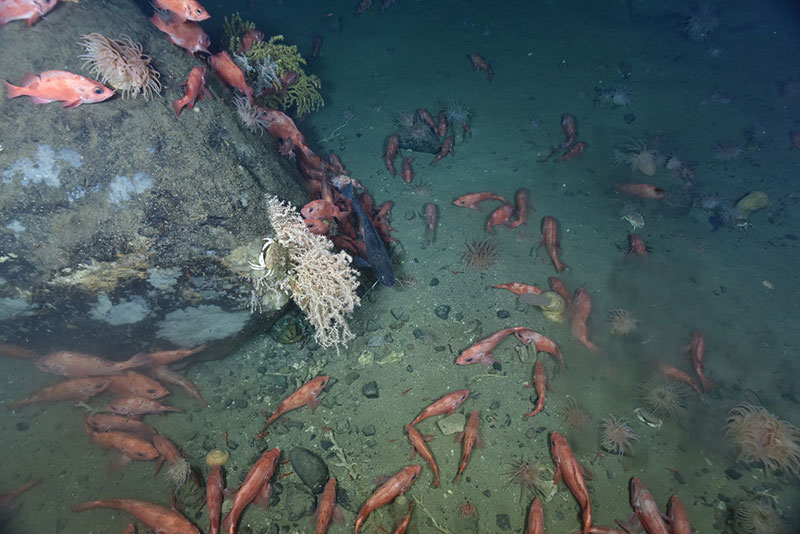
x,y
548,57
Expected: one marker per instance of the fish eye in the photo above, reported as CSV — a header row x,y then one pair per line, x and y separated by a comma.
x,y
98,91
198,11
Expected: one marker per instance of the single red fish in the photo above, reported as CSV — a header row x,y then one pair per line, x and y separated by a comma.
x,y
580,310
214,494
469,438
444,406
323,210
111,422
418,445
77,365
426,117
17,351
162,520
678,518
558,286
535,518
136,406
166,374
473,200
165,357
568,469
62,86
522,208
481,350
540,342
184,9
672,373
256,484
308,394
570,129
518,288
642,190
636,245
185,34
134,384
230,73
28,10
574,151
387,492
540,382
550,241
430,218
195,88
445,149
480,63
77,389
7,498
403,525
646,509
501,215
697,347
408,172
131,447
392,148
327,509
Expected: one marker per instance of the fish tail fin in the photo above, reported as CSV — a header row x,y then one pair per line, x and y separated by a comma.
x,y
176,105
137,360
13,90
88,505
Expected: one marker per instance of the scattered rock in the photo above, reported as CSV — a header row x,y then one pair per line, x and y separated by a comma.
x,y
368,430
400,315
452,424
419,334
298,501
370,390
503,522
442,311
733,474
434,282
311,469
372,325
503,314
22,426
629,118
350,377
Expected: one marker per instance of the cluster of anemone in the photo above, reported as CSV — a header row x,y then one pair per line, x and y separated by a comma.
x,y
616,435
763,438
251,116
480,254
121,64
639,156
621,322
457,112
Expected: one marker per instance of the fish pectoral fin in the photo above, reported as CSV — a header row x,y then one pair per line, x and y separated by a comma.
x,y
70,105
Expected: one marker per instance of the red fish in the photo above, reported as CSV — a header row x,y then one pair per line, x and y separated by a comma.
x,y
408,172
195,88
62,86
403,525
17,351
387,492
166,374
131,447
136,406
541,342
522,208
501,215
322,209
574,151
308,394
441,127
28,10
392,148
636,245
535,518
473,200
318,227
642,190
446,148
230,73
256,484
165,357
540,382
250,38
156,517
469,439
678,518
570,129
550,241
137,385
444,406
558,286
480,63
6,499
430,218
77,365
697,346
327,509
481,351
187,35
77,389
646,509
568,469
418,445
184,9
362,6
672,373
580,310
426,117
214,488
111,422
518,288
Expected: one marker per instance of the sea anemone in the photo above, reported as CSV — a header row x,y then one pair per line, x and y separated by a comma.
x,y
661,398
640,158
480,254
530,477
252,116
622,322
421,188
121,64
710,201
762,437
615,97
702,23
457,112
468,510
178,472
758,517
616,435
575,415
405,119
727,150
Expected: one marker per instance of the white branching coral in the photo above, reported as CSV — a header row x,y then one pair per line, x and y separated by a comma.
x,y
303,266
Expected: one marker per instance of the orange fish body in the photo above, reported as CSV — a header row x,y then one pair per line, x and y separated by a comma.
x,y
323,210
541,342
136,406
137,385
77,365
185,34
672,373
77,389
307,394
230,73
558,286
318,227
6,499
580,310
430,218
642,190
154,516
392,148
678,518
17,351
61,86
446,148
550,241
567,468
195,88
574,151
327,507
636,245
111,422
408,172
481,351
570,129
441,129
387,492
518,288
444,406
698,350
165,357
535,518
214,495
28,10
166,374
403,525
540,382
166,448
418,445
130,446
184,9
469,438
501,215
480,63
522,208
426,117
473,200
255,482
646,509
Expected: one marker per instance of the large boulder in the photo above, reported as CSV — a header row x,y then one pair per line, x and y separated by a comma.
x,y
121,226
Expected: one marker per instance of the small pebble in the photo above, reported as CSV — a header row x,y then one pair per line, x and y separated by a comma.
x,y
503,314
733,474
629,118
368,430
434,282
370,390
503,522
22,426
442,311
